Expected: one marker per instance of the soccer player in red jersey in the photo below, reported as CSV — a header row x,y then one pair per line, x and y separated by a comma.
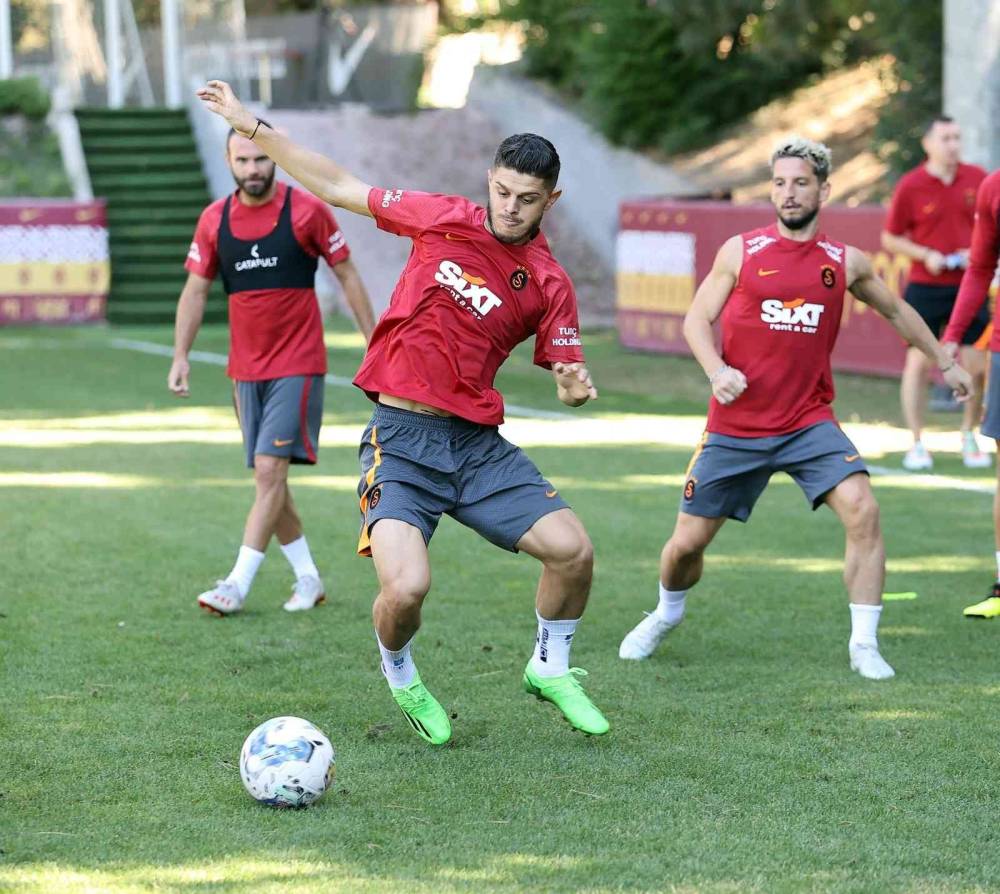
x,y
265,240
930,221
780,292
478,282
972,298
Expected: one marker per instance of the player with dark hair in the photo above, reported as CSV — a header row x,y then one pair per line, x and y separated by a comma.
x,y
265,241
973,298
780,291
930,221
478,282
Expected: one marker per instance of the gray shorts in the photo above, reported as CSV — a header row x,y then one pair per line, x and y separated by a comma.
x,y
990,426
280,417
416,468
727,475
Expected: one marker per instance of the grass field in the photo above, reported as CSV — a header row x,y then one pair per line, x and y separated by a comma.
x,y
744,757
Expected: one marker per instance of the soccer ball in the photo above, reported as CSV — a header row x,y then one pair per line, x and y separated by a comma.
x,y
287,762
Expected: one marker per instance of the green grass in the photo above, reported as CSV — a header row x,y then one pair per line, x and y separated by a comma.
x,y
745,757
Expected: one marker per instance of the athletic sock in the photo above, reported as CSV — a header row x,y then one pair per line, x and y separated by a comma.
x,y
245,569
552,643
998,566
299,557
671,606
864,624
397,666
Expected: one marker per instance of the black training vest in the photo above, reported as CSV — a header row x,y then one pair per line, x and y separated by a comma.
x,y
275,261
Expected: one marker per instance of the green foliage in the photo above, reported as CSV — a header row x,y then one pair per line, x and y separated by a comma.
x,y
913,34
30,161
23,96
670,73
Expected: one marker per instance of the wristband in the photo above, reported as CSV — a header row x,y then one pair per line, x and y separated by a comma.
x,y
255,130
945,369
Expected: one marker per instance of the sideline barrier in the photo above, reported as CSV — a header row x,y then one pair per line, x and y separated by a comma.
x,y
665,248
54,262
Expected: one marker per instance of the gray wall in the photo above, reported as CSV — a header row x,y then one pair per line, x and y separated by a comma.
x,y
972,76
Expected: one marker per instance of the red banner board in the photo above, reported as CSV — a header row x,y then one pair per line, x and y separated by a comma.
x,y
665,248
54,263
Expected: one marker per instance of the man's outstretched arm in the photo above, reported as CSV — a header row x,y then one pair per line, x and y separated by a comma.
x,y
867,287
317,173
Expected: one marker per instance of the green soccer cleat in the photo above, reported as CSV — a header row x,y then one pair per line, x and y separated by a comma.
x,y
566,693
423,712
988,608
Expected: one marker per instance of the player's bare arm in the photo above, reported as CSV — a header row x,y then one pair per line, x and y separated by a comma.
x,y
867,287
573,384
357,296
317,173
190,311
711,297
931,259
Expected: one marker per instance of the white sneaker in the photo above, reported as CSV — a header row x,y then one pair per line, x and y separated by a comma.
x,y
917,459
223,599
972,456
641,641
307,593
867,661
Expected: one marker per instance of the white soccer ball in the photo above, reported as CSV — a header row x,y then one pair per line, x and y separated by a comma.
x,y
287,762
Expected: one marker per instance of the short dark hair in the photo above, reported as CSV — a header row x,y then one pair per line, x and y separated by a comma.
x,y
528,153
937,119
232,131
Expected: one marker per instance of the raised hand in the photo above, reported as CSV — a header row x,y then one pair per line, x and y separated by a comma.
x,y
218,97
573,383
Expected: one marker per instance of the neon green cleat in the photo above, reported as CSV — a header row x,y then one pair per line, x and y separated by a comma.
x,y
423,712
988,608
566,693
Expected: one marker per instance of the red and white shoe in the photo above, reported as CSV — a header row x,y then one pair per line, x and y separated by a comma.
x,y
223,599
307,593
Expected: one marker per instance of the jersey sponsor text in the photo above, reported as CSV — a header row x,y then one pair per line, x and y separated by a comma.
x,y
791,316
470,291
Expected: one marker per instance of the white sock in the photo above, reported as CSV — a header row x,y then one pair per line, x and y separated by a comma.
x,y
245,569
552,642
864,624
998,566
299,557
398,666
671,606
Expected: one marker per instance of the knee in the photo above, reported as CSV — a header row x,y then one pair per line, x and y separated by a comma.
x,y
573,557
269,472
403,592
861,517
684,546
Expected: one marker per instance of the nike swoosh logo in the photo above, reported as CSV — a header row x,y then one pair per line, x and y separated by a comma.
x,y
852,457
762,272
451,237
551,493
280,443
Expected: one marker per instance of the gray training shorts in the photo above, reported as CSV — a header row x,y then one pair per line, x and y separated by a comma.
x,y
727,475
990,426
416,468
280,417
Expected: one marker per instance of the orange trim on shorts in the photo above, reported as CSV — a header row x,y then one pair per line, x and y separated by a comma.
x,y
364,543
983,342
696,454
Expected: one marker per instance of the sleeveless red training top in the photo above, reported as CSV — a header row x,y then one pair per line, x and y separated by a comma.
x,y
779,327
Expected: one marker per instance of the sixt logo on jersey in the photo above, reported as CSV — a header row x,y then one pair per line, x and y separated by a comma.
x,y
468,290
255,261
791,316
